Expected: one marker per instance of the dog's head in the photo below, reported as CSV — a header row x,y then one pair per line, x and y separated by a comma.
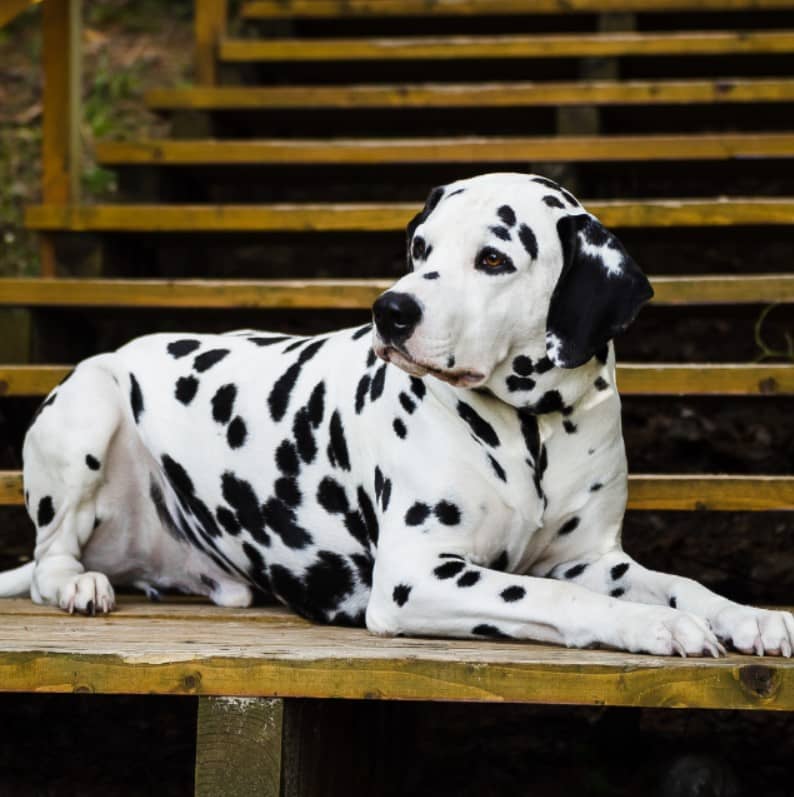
x,y
500,263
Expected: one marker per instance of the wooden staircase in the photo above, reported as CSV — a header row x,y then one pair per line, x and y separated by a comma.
x,y
595,105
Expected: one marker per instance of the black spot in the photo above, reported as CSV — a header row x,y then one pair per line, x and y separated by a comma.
x,y
484,629
543,365
240,495
673,603
368,513
97,522
208,582
361,331
296,344
46,511
522,365
455,192
337,447
601,383
569,426
498,469
236,433
177,476
287,490
223,403
481,428
378,483
400,594
450,556
378,381
553,202
281,519
136,398
399,428
619,571
515,383
500,563
545,181
594,488
287,458
449,569
418,387
513,594
328,581
228,520
529,241
507,215
364,564
418,248
501,232
185,390
469,578
354,523
181,348
616,593
417,514
361,392
386,497
569,198
279,397
257,571
92,462
332,497
569,526
317,404
407,403
209,358
450,361
269,340
371,358
447,513
576,570
304,436
431,275
290,589
550,401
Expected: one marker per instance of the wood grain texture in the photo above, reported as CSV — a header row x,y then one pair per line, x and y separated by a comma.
x,y
634,379
347,294
270,9
123,654
209,27
475,95
646,492
238,747
448,48
382,217
447,150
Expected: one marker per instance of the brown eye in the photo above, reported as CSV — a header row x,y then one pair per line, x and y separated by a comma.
x,y
493,259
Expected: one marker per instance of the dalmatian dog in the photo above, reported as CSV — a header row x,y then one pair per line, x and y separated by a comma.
x,y
457,469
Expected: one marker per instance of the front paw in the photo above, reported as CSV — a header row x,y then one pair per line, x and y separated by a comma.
x,y
667,632
760,631
87,593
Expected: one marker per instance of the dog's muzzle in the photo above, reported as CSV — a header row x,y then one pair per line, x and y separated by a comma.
x,y
396,316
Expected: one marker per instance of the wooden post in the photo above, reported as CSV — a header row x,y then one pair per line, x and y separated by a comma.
x,y
238,747
61,56
210,26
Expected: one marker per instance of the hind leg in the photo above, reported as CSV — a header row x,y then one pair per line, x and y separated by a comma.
x,y
65,452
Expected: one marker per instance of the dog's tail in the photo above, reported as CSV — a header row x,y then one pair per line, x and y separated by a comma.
x,y
16,582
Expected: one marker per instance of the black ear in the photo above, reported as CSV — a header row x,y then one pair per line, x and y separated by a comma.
x,y
433,198
599,292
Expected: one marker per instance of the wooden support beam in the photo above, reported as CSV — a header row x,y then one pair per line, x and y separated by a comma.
x,y
475,95
238,747
280,9
506,47
210,28
61,61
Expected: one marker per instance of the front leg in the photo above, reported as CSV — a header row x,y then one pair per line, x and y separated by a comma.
x,y
746,628
425,588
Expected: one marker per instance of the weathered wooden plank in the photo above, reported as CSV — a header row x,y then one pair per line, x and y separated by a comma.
x,y
347,294
475,95
209,27
646,492
270,9
11,8
447,150
506,47
382,217
634,379
238,747
238,658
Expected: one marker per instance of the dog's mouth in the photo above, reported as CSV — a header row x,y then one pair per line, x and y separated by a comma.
x,y
457,377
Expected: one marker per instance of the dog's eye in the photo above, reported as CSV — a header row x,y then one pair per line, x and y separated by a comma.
x,y
492,259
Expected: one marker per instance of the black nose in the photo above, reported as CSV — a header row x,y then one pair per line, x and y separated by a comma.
x,y
396,316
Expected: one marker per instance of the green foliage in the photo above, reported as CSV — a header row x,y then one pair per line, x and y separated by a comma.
x,y
138,16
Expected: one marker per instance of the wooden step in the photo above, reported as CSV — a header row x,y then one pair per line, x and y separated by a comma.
x,y
448,48
191,649
343,294
634,379
474,95
279,9
446,150
646,492
383,217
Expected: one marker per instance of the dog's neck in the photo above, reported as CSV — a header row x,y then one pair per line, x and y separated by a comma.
x,y
529,381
